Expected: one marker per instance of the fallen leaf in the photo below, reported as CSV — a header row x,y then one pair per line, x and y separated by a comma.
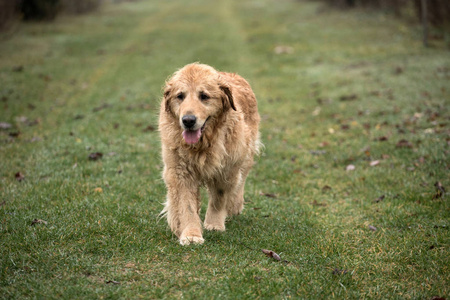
x,y
373,228
112,281
99,108
315,203
21,119
318,152
283,50
38,221
148,128
98,190
4,125
19,176
374,163
382,138
270,195
326,188
14,134
34,122
350,168
95,155
348,97
442,226
322,101
339,272
45,77
18,68
256,208
398,70
270,253
316,111
404,144
440,190
379,199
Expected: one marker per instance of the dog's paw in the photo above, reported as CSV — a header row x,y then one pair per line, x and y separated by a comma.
x,y
187,240
218,227
191,235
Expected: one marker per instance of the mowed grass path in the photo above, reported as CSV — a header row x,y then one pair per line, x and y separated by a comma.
x,y
352,88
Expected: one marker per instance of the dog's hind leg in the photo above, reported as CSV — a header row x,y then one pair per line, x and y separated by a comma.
x,y
217,212
235,204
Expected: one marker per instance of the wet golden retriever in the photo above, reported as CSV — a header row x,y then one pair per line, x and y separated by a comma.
x,y
208,123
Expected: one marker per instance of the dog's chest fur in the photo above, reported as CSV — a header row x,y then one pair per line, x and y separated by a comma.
x,y
215,160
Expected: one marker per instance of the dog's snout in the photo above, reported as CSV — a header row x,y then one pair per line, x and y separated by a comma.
x,y
189,121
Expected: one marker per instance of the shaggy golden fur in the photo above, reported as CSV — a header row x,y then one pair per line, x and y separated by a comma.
x,y
208,123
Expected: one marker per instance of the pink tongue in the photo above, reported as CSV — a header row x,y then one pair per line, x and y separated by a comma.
x,y
192,136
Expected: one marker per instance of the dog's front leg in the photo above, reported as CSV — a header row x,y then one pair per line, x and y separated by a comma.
x,y
182,208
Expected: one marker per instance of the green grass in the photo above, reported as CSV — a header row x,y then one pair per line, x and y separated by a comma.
x,y
121,56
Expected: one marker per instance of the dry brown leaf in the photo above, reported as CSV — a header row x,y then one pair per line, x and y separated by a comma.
x,y
38,221
95,155
149,128
4,125
19,176
315,203
374,163
339,272
283,50
379,199
348,97
440,190
404,144
270,253
270,195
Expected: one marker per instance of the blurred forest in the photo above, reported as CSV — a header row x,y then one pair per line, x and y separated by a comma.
x,y
438,11
42,10
428,13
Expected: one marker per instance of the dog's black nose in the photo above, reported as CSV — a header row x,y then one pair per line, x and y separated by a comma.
x,y
189,121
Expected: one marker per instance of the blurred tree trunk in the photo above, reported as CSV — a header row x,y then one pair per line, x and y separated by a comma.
x,y
424,11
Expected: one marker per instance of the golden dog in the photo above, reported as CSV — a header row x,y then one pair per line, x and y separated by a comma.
x,y
208,123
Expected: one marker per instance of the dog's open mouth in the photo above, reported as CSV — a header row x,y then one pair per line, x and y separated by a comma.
x,y
193,136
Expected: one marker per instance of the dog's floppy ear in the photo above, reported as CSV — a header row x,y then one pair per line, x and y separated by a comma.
x,y
167,92
227,97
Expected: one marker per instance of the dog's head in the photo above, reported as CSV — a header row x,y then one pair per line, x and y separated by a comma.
x,y
196,96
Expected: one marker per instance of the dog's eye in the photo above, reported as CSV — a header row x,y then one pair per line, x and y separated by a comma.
x,y
203,96
180,96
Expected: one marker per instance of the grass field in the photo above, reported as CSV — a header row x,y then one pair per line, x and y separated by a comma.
x,y
349,189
